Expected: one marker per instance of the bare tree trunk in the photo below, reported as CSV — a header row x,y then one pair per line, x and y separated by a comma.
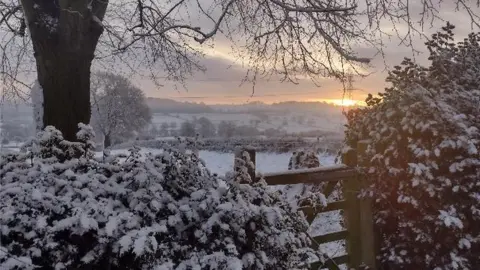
x,y
107,141
66,90
64,37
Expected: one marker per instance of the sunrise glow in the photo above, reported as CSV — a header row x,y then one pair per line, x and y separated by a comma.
x,y
342,102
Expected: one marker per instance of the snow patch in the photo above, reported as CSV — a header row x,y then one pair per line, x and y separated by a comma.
x,y
36,94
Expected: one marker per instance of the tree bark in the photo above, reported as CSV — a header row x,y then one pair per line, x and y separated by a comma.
x,y
64,36
107,141
66,90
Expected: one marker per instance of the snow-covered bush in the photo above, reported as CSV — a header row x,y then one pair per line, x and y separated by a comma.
x,y
60,208
423,158
304,194
243,165
308,159
303,159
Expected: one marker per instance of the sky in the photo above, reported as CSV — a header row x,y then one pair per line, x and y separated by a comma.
x,y
222,81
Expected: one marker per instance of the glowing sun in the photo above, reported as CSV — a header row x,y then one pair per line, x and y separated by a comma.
x,y
343,102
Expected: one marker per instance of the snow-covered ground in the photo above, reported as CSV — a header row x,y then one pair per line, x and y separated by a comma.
x,y
284,121
266,162
221,163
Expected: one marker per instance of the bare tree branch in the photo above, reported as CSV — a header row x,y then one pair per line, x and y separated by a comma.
x,y
314,8
217,24
293,39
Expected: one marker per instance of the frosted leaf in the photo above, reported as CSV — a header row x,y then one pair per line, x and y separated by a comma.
x,y
111,226
464,243
125,243
450,220
472,149
87,222
17,263
36,195
139,245
89,257
41,222
165,266
415,182
85,133
453,168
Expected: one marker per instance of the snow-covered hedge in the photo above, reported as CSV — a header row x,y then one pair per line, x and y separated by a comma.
x,y
62,209
303,159
423,158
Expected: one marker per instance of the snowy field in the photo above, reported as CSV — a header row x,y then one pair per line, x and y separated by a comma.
x,y
266,162
221,163
286,122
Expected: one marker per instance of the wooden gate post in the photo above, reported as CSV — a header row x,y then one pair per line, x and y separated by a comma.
x,y
359,217
366,214
352,213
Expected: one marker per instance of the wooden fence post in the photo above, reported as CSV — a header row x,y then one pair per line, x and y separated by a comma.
x,y
359,216
351,188
366,215
253,159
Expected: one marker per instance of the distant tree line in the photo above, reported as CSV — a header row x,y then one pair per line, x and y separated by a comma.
x,y
272,144
14,132
204,128
161,105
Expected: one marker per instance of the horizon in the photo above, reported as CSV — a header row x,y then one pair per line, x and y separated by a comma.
x,y
346,102
268,92
341,100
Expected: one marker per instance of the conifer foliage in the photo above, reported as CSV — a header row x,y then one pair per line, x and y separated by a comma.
x,y
61,210
423,162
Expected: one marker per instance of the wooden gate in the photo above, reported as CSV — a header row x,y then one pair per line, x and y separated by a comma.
x,y
357,212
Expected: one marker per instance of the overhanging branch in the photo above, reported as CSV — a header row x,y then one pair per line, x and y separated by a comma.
x,y
314,8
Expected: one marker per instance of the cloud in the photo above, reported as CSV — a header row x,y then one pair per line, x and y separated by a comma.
x,y
224,71
223,83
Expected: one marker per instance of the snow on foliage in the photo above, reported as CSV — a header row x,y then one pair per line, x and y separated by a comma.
x,y
60,208
423,161
304,193
303,159
36,95
119,109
